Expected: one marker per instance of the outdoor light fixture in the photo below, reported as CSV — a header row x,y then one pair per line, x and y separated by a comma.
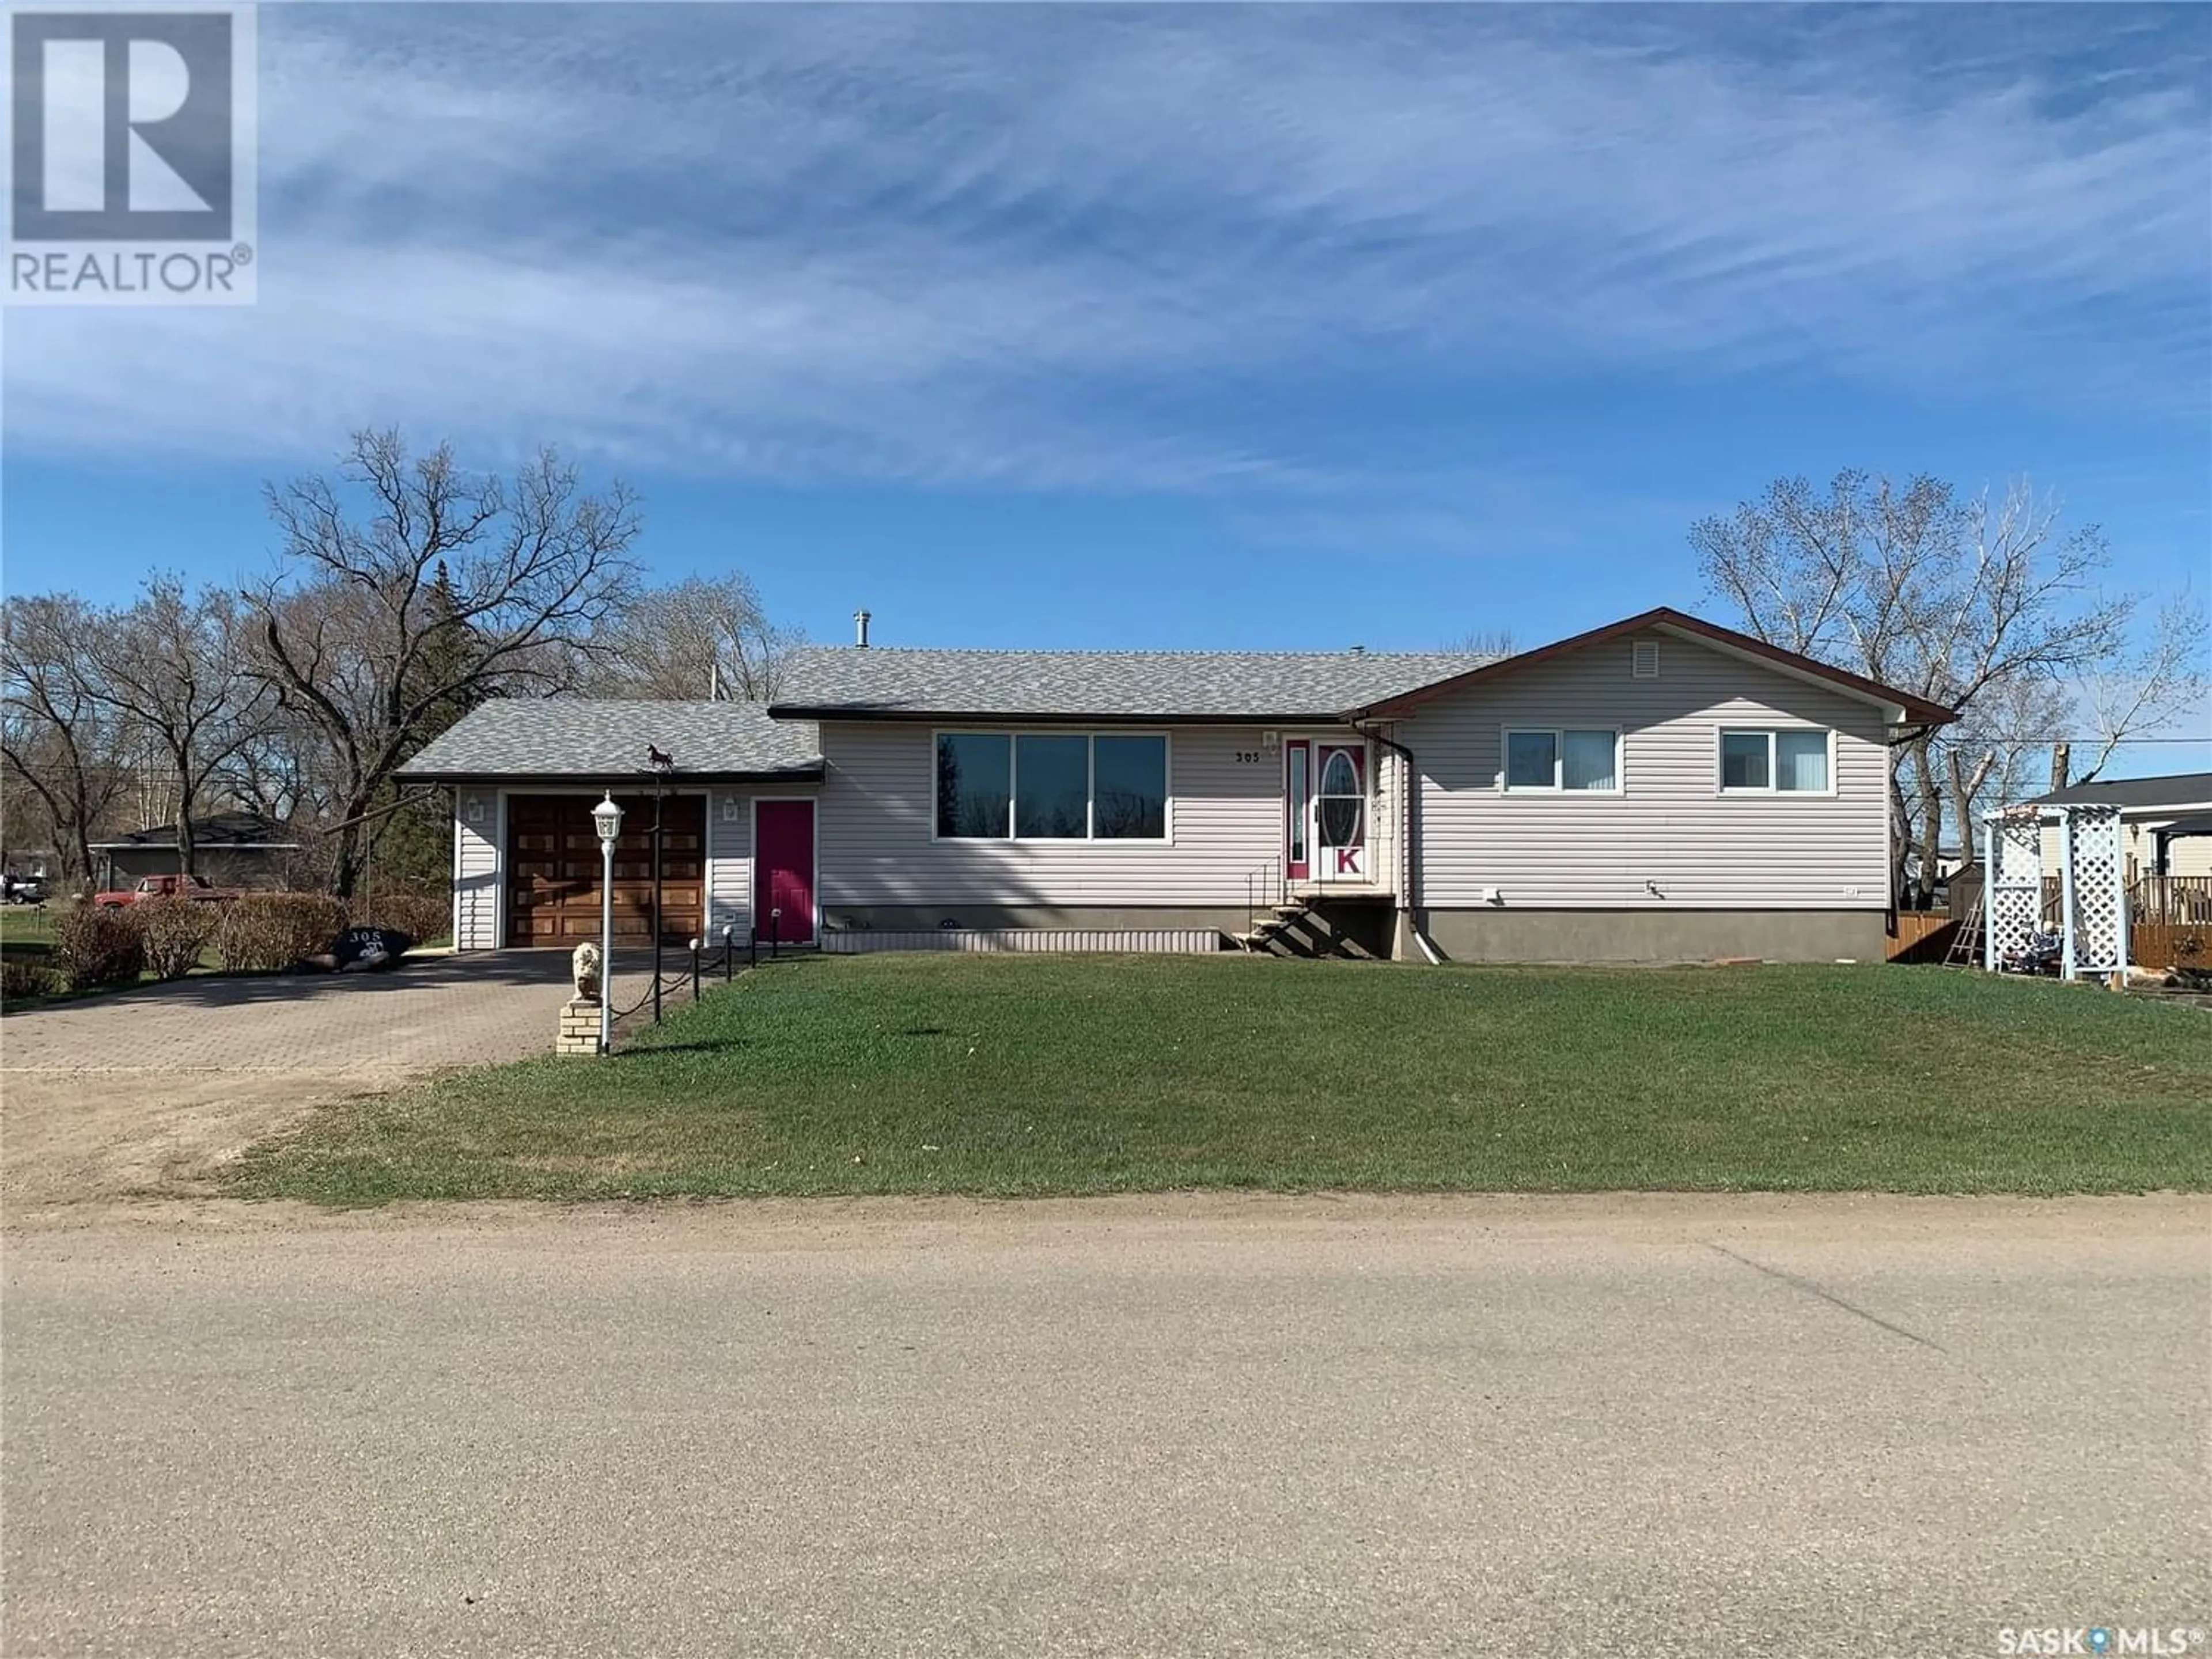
x,y
606,818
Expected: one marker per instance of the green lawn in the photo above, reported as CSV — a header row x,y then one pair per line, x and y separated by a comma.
x,y
1037,1075
26,931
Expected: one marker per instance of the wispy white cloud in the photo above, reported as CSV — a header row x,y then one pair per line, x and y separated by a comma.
x,y
1046,247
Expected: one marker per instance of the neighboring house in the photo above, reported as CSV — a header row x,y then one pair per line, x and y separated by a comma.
x,y
2165,821
231,849
30,863
1660,789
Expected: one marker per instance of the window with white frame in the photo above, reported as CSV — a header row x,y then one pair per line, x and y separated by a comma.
x,y
1556,759
1051,785
1783,760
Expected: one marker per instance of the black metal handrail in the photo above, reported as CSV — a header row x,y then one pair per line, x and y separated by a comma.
x,y
1263,886
724,961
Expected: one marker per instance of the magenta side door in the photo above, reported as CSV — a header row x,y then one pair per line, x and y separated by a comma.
x,y
783,870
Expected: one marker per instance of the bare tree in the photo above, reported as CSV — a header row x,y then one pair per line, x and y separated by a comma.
x,y
274,772
1483,642
1831,576
172,668
2151,689
699,638
362,639
1991,606
1989,757
60,742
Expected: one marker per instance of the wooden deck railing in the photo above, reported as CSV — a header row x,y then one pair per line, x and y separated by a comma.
x,y
2150,898
2169,923
2171,898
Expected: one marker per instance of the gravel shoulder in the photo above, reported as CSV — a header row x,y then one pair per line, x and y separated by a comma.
x,y
152,1091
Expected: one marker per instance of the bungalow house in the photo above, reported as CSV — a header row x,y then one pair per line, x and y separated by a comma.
x,y
1658,789
2165,822
230,849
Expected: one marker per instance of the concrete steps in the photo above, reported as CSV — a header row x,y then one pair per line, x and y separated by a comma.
x,y
1296,928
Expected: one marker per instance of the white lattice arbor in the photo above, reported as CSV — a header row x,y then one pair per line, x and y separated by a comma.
x,y
2093,894
2096,891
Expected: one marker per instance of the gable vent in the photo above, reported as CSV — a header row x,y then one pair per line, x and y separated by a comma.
x,y
1643,660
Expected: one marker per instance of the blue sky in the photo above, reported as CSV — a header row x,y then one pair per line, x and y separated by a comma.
x,y
1244,325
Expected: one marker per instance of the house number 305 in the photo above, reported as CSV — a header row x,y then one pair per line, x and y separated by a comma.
x,y
1249,757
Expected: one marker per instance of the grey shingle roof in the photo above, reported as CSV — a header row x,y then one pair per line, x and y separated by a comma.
x,y
2173,789
892,683
215,830
549,739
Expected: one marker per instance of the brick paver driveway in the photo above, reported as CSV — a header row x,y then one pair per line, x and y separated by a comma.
x,y
152,1089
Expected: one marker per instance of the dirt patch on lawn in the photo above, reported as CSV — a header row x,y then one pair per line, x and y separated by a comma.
x,y
67,1137
155,1090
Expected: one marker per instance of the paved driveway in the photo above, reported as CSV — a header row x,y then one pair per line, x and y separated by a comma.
x,y
1652,1426
153,1088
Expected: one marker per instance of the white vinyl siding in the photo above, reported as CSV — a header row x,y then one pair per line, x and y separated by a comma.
x,y
479,896
729,864
1224,817
1669,838
1385,788
2190,856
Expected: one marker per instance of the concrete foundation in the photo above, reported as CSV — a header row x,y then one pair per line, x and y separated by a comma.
x,y
1097,918
1471,935
1649,936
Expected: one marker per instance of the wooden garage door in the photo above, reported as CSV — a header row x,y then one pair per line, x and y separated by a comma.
x,y
553,870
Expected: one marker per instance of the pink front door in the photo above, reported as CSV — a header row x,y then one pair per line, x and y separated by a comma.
x,y
783,870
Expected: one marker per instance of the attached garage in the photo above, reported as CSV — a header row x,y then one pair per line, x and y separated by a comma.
x,y
525,774
554,864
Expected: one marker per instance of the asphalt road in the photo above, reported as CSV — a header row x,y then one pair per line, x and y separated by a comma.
x,y
1207,1426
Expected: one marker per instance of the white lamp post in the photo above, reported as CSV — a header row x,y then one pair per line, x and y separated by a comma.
x,y
606,818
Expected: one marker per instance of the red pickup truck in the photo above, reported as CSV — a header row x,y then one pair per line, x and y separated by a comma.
x,y
196,888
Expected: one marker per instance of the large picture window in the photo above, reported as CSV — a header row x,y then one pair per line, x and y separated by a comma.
x,y
974,784
1784,763
1580,762
1051,785
1052,788
1129,788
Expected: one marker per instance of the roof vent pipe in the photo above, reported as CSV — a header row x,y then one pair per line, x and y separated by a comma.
x,y
861,629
